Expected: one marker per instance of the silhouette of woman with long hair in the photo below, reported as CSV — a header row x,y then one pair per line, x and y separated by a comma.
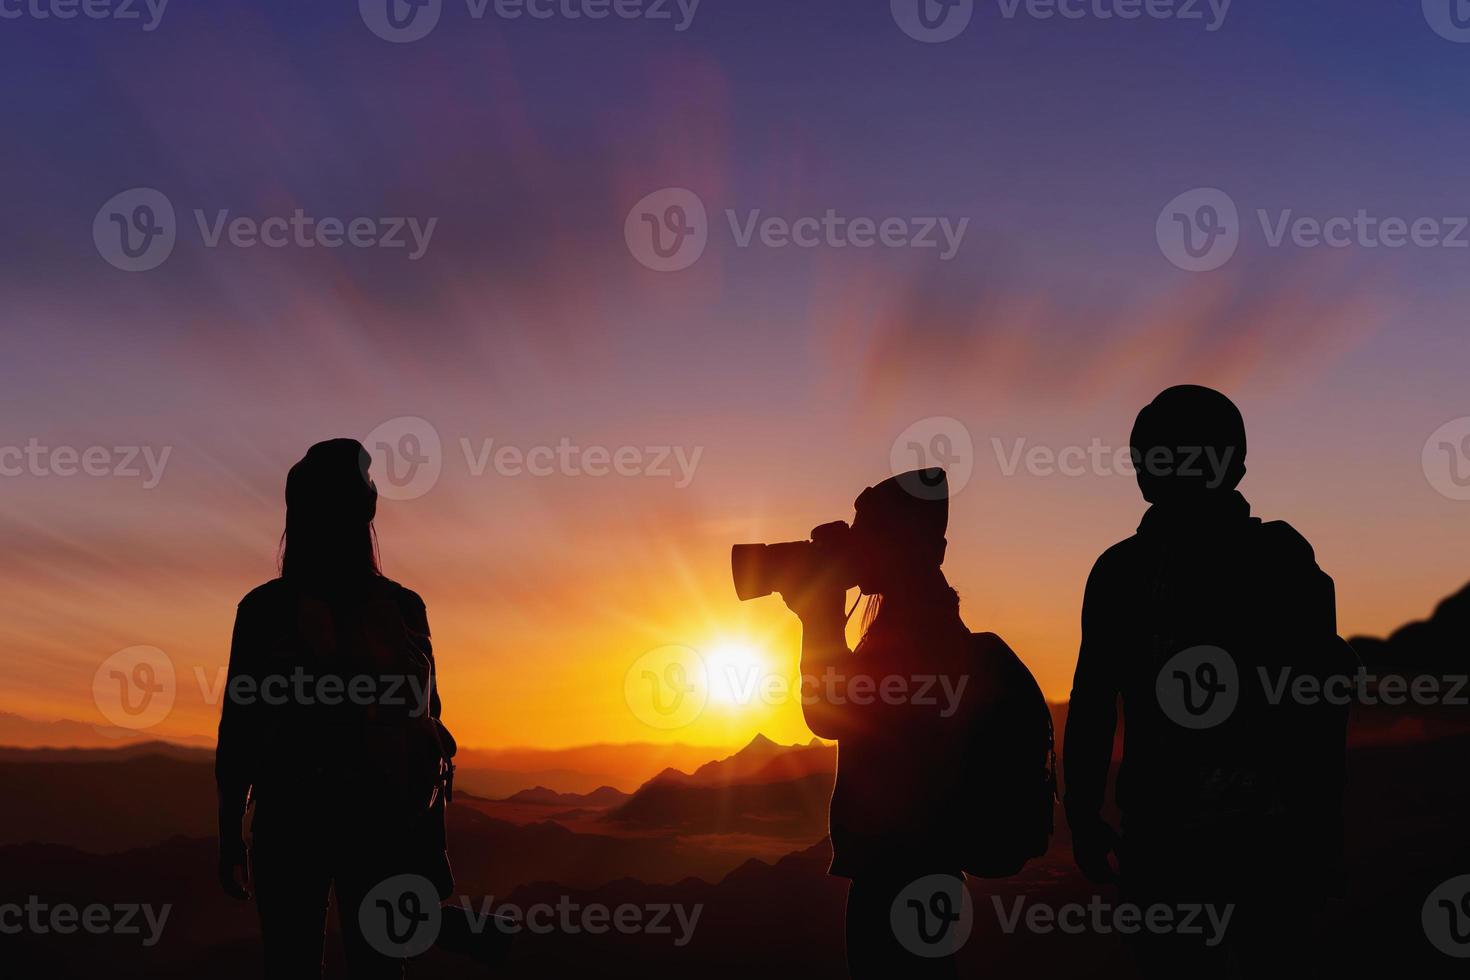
x,y
901,757
330,729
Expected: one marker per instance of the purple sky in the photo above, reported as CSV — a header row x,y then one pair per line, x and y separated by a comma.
x,y
791,371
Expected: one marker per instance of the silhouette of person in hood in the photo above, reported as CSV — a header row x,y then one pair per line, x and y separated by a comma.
x,y
899,760
1225,788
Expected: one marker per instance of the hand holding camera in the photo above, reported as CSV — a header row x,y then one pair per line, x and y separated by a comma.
x,y
811,576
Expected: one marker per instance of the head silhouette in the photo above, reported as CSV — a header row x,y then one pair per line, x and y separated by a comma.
x,y
1187,444
898,534
330,505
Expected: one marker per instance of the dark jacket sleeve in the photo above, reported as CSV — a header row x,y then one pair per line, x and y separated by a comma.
x,y
1092,715
416,619
238,744
1314,735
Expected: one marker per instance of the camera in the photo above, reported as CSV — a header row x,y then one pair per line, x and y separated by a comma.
x,y
795,566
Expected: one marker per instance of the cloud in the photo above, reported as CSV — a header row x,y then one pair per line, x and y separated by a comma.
x,y
1261,324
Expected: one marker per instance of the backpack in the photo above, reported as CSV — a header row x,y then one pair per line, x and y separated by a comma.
x,y
1009,792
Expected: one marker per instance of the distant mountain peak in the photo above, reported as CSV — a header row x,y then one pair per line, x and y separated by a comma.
x,y
762,760
602,796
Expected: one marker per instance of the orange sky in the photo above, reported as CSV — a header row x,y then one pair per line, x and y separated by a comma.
x,y
543,592
792,375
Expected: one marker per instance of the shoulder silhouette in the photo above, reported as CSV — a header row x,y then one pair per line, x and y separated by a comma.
x,y
1193,624
331,733
944,740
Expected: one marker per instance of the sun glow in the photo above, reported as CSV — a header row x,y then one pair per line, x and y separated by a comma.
x,y
736,670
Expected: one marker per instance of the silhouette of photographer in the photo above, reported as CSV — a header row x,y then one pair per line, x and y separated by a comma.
x,y
1230,789
330,729
900,813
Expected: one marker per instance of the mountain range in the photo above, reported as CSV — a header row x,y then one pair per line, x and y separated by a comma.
x,y
1436,645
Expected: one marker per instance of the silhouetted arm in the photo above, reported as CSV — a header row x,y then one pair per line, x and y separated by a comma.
x,y
1092,716
823,654
1313,739
236,750
237,744
416,619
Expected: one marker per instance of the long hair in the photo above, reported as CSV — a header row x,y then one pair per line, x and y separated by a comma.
x,y
320,554
944,601
870,612
330,505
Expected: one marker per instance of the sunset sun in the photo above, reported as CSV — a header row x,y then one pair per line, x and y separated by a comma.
x,y
736,670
